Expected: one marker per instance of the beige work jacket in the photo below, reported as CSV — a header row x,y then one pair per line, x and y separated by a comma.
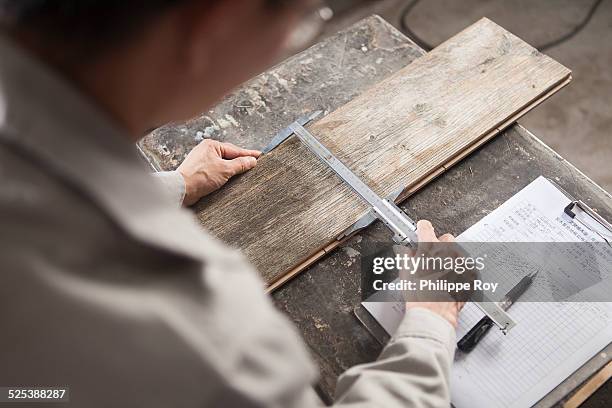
x,y
109,288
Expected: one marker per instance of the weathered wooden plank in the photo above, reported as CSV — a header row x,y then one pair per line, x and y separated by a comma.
x,y
400,132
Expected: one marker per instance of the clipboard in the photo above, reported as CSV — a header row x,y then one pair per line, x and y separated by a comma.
x,y
577,210
371,325
584,217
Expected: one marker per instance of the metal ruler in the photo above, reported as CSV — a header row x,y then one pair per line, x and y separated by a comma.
x,y
384,209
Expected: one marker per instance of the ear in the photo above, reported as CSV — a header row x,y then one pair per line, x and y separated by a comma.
x,y
205,25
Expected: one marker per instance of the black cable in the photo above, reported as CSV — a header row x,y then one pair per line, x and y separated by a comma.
x,y
574,31
411,34
427,47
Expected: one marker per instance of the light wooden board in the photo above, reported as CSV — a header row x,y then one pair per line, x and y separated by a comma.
x,y
287,212
590,387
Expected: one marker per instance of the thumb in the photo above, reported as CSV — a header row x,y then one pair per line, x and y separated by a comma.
x,y
240,164
426,236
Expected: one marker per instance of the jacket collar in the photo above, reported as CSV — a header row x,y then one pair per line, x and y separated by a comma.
x,y
61,129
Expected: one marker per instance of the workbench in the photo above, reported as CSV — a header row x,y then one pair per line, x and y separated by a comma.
x,y
321,300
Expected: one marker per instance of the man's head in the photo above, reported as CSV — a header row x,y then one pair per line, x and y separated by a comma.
x,y
153,61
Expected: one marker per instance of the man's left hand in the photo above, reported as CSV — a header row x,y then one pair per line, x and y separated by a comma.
x,y
210,165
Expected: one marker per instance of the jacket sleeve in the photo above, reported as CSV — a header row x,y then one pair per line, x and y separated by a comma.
x,y
173,184
412,371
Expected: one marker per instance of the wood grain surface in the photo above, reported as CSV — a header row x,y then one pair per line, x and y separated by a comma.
x,y
399,133
590,387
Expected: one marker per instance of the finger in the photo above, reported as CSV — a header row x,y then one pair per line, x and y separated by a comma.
x,y
230,151
447,238
425,231
240,164
426,235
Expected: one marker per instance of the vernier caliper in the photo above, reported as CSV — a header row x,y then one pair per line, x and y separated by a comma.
x,y
385,210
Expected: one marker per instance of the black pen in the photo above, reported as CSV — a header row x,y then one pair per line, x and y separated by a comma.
x,y
471,338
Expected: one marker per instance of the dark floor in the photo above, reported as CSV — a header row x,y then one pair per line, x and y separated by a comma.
x,y
577,122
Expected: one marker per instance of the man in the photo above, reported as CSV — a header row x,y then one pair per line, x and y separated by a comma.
x,y
109,288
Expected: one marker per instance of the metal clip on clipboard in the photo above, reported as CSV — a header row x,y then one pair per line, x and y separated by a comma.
x,y
588,218
581,213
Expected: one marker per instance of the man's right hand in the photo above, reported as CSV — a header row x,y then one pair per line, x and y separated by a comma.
x,y
210,165
447,310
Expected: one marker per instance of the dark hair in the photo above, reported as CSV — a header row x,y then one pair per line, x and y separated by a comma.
x,y
84,24
85,27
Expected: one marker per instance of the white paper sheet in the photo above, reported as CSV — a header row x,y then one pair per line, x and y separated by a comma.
x,y
551,340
